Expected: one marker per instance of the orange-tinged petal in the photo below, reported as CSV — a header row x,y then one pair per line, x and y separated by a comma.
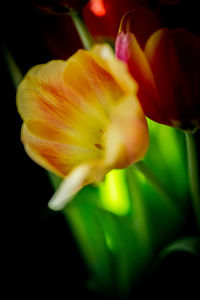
x,y
104,57
47,154
56,153
38,86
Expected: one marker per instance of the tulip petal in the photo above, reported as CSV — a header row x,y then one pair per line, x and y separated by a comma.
x,y
129,51
174,59
105,58
160,53
55,154
187,49
127,134
35,92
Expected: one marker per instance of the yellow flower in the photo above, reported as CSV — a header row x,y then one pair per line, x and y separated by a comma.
x,y
81,119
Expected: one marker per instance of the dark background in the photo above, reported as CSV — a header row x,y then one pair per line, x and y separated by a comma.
x,y
40,257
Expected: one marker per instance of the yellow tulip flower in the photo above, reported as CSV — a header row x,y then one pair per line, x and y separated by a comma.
x,y
82,118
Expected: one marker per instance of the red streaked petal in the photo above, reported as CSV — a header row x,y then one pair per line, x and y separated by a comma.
x,y
129,51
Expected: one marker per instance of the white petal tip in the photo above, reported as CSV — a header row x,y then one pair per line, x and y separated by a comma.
x,y
57,204
69,187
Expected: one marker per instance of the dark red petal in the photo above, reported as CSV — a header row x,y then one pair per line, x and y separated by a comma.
x,y
174,59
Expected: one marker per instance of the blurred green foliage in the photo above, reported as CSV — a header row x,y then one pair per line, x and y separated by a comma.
x,y
121,223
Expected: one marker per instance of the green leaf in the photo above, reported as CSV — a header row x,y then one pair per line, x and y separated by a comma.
x,y
167,158
190,244
158,219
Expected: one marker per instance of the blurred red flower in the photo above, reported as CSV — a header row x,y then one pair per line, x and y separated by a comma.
x,y
103,16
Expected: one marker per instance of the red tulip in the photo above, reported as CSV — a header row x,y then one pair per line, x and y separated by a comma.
x,y
166,64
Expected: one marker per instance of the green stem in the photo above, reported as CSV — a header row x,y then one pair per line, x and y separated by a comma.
x,y
82,30
15,72
142,167
193,174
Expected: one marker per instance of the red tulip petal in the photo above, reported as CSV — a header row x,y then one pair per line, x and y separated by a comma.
x,y
174,59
